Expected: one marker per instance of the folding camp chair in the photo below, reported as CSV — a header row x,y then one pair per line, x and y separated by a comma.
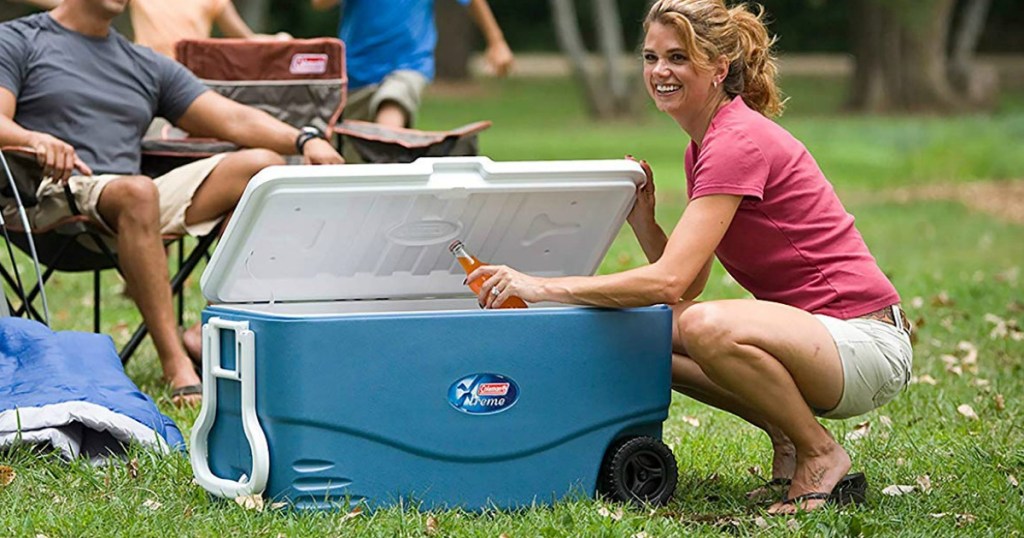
x,y
74,244
303,82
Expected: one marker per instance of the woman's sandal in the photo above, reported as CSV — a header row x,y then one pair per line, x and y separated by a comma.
x,y
771,491
852,489
179,396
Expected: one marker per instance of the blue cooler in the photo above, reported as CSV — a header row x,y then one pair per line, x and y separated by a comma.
x,y
345,361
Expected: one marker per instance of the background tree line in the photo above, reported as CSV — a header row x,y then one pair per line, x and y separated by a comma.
x,y
910,55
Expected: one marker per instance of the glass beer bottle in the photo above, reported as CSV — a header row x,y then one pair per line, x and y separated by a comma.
x,y
469,263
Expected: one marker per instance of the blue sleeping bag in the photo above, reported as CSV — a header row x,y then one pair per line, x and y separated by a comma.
x,y
68,390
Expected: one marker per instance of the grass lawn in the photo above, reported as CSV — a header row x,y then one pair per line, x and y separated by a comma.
x,y
959,273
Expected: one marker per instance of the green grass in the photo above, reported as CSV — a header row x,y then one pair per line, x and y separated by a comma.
x,y
951,265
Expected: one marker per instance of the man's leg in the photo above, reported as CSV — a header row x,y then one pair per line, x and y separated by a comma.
x,y
398,98
131,206
217,197
391,114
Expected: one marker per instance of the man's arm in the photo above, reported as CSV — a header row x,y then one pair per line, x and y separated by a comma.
x,y
323,5
57,157
217,116
499,55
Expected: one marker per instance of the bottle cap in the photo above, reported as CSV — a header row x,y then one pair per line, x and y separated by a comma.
x,y
454,245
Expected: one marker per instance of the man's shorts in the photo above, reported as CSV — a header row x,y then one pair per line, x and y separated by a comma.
x,y
876,359
176,190
404,87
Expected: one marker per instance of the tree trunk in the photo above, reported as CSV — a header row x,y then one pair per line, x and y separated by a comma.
x,y
612,96
254,12
901,64
454,40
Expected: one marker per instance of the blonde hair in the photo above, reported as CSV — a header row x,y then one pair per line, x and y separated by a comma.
x,y
708,29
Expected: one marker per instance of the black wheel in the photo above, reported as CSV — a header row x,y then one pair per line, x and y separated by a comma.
x,y
640,470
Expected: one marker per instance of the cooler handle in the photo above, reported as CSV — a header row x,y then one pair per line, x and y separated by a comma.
x,y
244,373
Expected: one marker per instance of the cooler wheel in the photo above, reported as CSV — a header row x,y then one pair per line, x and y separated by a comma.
x,y
640,470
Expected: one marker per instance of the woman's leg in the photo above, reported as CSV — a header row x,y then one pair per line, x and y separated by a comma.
x,y
689,379
776,361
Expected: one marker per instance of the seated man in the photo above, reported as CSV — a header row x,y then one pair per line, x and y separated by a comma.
x,y
82,96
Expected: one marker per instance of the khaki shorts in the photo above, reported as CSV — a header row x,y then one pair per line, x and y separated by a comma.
x,y
876,359
176,190
405,87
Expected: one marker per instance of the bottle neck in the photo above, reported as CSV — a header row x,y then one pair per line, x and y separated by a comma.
x,y
460,252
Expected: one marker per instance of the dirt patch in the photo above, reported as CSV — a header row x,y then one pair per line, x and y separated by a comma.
x,y
1002,199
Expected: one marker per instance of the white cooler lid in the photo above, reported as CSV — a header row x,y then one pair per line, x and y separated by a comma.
x,y
380,231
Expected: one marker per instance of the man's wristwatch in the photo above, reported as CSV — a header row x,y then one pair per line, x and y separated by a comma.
x,y
306,134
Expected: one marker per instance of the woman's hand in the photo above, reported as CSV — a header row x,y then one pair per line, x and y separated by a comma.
x,y
503,282
643,207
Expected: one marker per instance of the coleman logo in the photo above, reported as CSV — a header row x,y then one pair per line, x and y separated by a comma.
x,y
308,64
483,394
492,389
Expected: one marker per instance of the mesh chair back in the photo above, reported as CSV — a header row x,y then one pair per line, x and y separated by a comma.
x,y
298,81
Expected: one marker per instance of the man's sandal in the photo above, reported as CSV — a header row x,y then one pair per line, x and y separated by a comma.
x,y
852,489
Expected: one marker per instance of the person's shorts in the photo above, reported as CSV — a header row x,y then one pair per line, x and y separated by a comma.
x,y
404,87
876,359
176,190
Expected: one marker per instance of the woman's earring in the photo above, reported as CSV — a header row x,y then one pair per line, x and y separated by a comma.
x,y
714,83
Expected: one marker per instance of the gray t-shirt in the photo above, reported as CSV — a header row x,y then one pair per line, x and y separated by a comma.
x,y
97,94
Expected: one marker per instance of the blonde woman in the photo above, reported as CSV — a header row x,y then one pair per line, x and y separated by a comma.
x,y
825,336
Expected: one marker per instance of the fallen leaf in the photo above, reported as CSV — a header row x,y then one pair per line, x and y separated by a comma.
x,y
755,470
57,499
250,502
133,468
151,504
967,411
970,358
7,476
278,505
980,383
925,483
1012,480
792,524
897,490
431,525
917,302
859,431
504,535
925,379
641,534
886,421
942,299
1000,402
1009,275
692,421
605,512
353,514
760,522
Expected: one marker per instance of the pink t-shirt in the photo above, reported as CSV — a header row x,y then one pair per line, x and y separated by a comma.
x,y
791,240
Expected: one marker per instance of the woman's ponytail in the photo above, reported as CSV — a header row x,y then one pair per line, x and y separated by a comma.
x,y
755,62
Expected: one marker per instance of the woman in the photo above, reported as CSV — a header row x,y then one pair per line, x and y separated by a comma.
x,y
825,336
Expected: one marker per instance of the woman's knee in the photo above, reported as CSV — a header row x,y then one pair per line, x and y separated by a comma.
x,y
704,330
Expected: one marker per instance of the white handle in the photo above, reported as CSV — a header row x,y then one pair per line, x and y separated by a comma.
x,y
244,373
